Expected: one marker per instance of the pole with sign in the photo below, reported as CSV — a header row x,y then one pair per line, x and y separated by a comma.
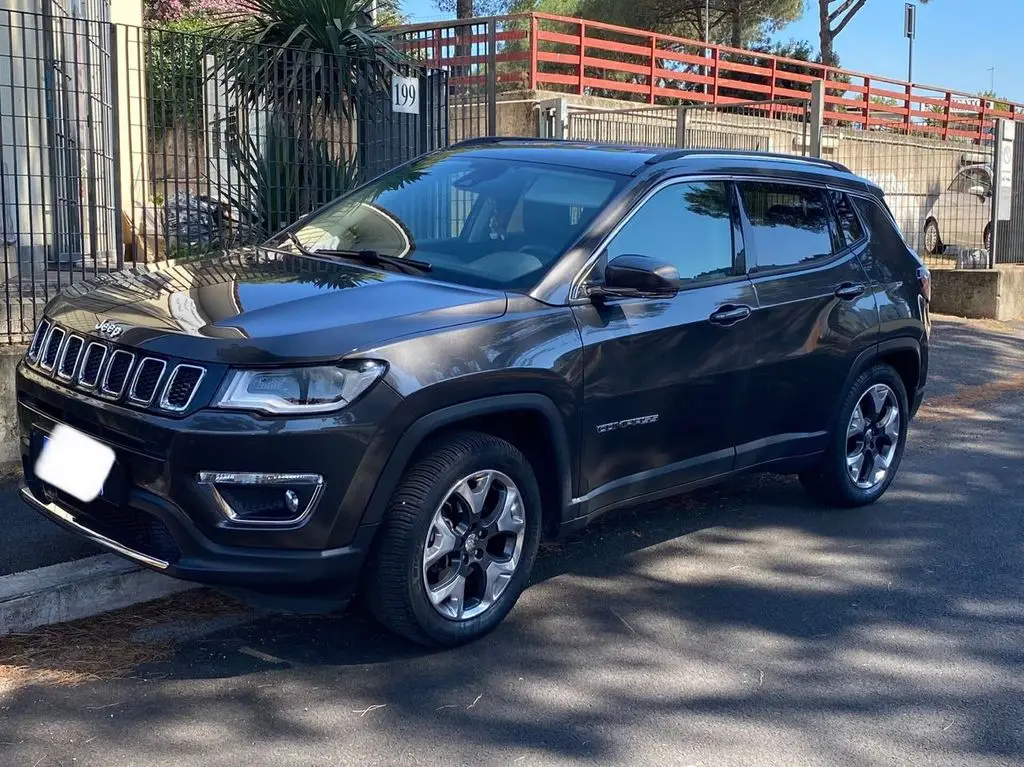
x,y
910,32
1002,192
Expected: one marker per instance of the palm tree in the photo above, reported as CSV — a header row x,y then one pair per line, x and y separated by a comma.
x,y
304,74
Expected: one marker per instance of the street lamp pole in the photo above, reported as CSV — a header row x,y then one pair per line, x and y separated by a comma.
x,y
707,38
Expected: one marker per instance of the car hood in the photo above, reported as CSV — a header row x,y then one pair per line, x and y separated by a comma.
x,y
261,307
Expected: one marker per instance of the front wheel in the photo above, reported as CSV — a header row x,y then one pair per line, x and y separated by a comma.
x,y
866,447
458,542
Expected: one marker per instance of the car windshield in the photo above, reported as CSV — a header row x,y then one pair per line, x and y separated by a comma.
x,y
477,221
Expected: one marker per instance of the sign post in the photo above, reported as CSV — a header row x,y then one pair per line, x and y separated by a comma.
x,y
1002,188
910,32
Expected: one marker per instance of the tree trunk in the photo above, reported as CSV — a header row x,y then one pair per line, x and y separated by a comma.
x,y
825,34
736,40
464,9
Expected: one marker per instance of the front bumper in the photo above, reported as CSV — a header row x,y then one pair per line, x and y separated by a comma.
x,y
153,511
203,561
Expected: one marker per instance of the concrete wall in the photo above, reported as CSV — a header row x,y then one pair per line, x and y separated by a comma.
x,y
9,447
980,293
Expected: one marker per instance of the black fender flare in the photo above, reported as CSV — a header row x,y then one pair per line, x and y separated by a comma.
x,y
423,427
873,354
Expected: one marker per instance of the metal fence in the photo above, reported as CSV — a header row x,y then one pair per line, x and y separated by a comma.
x,y
780,126
479,57
124,145
940,192
1009,245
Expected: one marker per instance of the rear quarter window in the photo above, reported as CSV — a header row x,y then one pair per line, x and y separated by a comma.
x,y
883,231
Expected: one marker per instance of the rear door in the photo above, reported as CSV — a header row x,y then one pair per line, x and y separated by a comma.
x,y
663,377
815,314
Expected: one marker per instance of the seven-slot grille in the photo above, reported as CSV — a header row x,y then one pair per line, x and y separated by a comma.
x,y
181,387
52,348
147,378
117,373
114,373
37,339
69,357
95,356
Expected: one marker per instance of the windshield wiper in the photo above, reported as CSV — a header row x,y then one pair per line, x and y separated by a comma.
x,y
371,257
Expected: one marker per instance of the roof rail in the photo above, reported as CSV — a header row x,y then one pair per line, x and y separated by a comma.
x,y
678,154
660,154
484,140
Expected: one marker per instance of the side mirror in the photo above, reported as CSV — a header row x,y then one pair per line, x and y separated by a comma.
x,y
979,191
638,276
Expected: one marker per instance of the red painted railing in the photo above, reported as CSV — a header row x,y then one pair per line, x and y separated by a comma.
x,y
546,52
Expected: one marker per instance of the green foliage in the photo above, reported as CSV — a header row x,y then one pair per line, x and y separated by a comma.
x,y
294,53
174,55
283,177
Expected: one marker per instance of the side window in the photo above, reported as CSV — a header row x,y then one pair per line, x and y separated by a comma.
x,y
850,225
970,178
789,224
686,225
883,233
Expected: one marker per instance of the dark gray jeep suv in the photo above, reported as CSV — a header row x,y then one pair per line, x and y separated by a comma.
x,y
404,392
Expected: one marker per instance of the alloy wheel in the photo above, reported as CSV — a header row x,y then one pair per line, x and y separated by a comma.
x,y
474,545
872,437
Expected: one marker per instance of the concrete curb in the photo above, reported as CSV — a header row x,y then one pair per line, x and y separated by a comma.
x,y
79,589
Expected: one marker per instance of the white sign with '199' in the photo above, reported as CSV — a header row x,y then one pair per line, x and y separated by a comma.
x,y
405,95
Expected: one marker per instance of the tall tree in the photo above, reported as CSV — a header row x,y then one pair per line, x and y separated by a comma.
x,y
833,16
467,9
736,22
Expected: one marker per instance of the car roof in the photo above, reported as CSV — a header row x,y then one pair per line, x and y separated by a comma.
x,y
635,160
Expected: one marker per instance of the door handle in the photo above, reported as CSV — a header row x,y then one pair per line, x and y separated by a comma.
x,y
729,314
850,290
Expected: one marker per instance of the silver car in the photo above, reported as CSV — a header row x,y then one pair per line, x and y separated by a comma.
x,y
961,215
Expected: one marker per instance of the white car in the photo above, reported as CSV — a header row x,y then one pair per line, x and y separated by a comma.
x,y
962,214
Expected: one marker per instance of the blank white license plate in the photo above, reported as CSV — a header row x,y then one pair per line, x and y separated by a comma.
x,y
75,463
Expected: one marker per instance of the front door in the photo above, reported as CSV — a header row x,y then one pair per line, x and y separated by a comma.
x,y
968,206
816,313
663,377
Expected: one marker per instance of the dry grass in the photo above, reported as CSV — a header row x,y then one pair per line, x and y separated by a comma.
x,y
103,647
964,403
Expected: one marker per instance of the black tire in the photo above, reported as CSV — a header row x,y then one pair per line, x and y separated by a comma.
x,y
831,482
986,237
932,228
393,587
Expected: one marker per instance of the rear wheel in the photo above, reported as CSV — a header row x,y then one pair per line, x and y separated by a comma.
x,y
932,240
867,445
986,237
458,542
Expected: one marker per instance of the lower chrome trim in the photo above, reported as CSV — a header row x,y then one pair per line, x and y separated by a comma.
x,y
66,518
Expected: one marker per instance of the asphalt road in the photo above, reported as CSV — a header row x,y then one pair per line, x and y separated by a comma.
x,y
741,626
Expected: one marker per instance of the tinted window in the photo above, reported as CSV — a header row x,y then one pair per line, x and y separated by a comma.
x,y
686,225
883,233
789,224
848,221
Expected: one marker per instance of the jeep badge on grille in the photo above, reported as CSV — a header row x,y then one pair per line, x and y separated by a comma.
x,y
109,329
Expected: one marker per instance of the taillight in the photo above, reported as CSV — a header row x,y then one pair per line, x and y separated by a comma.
x,y
924,279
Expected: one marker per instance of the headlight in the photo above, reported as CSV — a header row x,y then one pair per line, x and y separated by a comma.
x,y
298,391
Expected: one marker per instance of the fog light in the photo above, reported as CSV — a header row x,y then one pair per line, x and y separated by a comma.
x,y
251,498
291,499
